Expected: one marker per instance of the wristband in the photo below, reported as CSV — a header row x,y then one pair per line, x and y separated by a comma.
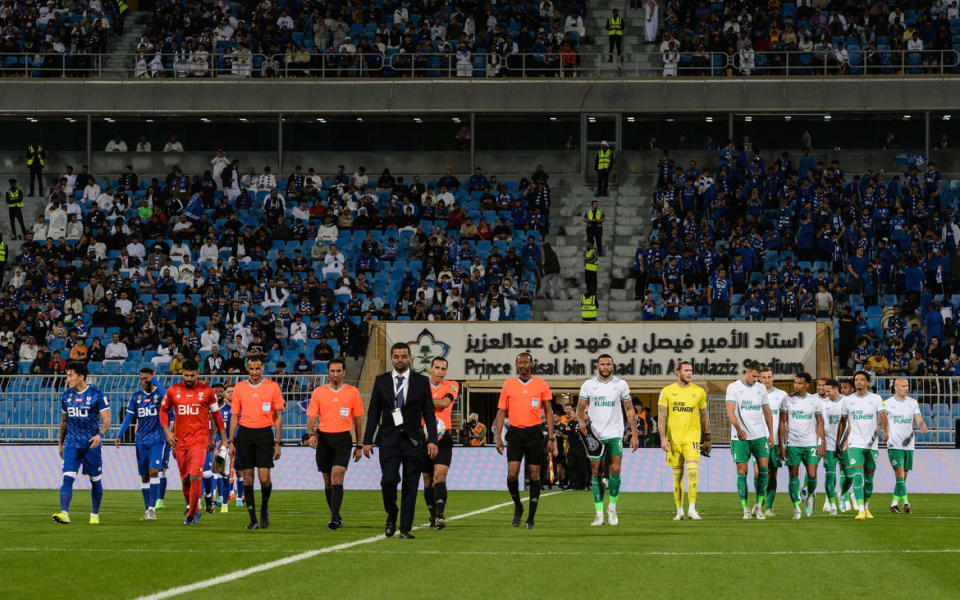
x,y
358,446
706,436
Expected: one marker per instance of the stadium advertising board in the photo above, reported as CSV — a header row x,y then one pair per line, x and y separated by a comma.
x,y
640,350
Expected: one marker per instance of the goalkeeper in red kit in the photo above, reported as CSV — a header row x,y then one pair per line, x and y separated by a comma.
x,y
193,404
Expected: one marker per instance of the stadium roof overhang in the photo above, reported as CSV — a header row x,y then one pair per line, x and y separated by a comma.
x,y
271,96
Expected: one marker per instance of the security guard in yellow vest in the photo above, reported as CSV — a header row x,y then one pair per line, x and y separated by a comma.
x,y
602,165
590,265
3,258
36,159
594,219
588,307
615,34
14,197
122,9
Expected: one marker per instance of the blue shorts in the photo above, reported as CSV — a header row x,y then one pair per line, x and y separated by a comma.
x,y
149,456
91,459
208,462
165,462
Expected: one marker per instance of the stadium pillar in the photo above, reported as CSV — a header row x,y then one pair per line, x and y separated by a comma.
x,y
584,159
926,133
729,126
473,142
89,139
279,146
618,136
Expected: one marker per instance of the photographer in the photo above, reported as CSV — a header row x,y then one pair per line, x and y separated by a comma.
x,y
474,432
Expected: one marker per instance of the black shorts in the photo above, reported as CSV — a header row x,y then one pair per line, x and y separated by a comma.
x,y
444,454
526,443
255,447
333,450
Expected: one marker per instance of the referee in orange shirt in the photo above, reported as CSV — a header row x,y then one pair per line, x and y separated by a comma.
x,y
520,401
338,408
435,469
257,410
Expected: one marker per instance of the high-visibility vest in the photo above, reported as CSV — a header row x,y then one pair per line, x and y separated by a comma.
x,y
615,26
594,215
590,260
122,7
588,307
15,198
34,154
3,252
603,159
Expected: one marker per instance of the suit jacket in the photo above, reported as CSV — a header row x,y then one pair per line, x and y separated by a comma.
x,y
417,405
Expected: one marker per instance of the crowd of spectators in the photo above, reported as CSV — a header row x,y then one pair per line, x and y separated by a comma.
x,y
338,38
43,38
842,37
787,237
234,261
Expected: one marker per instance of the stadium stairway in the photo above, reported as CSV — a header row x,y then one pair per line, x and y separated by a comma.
x,y
122,61
632,225
633,44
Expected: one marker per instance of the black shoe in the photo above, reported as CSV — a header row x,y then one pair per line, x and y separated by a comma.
x,y
391,527
530,525
440,522
208,501
253,525
906,508
332,525
433,522
895,509
264,518
406,535
517,515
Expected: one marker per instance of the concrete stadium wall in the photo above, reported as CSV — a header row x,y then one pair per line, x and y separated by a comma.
x,y
38,467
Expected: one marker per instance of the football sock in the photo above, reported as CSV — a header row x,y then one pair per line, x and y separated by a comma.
x,y
428,496
145,492
811,486
163,485
223,488
328,492
771,491
756,486
534,499
900,489
795,490
196,487
96,496
764,481
154,490
66,491
742,488
846,482
185,489
336,499
692,482
440,495
250,501
207,486
867,486
514,488
265,496
858,491
614,488
678,486
831,485
597,493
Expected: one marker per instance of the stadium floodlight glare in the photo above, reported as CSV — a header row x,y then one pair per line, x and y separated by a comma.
x,y
787,118
417,120
204,120
945,117
243,119
748,118
456,119
359,119
670,120
827,117
709,119
906,117
631,119
554,119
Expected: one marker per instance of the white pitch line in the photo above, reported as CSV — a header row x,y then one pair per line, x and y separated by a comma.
x,y
282,562
641,553
133,550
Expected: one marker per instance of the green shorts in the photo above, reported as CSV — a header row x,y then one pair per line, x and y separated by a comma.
x,y
830,461
774,457
862,457
802,454
901,458
614,447
742,451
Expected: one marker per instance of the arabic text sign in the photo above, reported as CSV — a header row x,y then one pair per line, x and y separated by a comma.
x,y
640,350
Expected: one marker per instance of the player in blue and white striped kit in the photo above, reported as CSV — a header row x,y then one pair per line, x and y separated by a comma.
x,y
145,407
85,417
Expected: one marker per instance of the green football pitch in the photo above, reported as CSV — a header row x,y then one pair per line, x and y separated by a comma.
x,y
479,555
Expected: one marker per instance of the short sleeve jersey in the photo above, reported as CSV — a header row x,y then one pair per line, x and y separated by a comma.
x,y
83,415
683,406
831,421
749,401
145,406
802,414
441,391
900,417
522,400
257,403
862,419
775,398
335,409
192,408
604,399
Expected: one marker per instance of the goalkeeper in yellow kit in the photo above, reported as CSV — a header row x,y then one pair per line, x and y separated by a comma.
x,y
682,420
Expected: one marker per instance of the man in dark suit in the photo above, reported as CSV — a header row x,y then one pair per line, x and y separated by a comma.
x,y
398,402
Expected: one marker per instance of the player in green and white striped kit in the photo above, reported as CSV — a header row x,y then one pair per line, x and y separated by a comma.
x,y
862,416
831,420
902,412
751,424
602,397
775,398
802,439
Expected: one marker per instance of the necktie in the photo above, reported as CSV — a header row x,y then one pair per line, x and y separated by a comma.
x,y
399,391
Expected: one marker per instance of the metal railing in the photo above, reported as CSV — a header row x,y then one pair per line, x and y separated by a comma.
x,y
939,399
30,404
480,65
